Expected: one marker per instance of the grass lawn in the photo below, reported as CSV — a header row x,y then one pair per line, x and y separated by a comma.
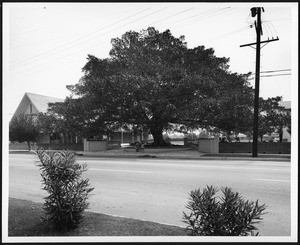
x,y
24,219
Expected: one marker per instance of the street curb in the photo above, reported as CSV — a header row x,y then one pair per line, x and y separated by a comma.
x,y
148,156
187,158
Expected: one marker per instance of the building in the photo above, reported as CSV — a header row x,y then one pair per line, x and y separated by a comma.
x,y
34,104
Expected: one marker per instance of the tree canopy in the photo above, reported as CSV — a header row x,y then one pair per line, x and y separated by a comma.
x,y
153,80
23,128
272,117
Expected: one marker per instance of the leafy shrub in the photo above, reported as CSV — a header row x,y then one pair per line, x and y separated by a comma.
x,y
228,215
68,193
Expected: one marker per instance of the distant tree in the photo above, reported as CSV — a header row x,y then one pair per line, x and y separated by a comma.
x,y
272,117
65,118
289,123
152,81
23,128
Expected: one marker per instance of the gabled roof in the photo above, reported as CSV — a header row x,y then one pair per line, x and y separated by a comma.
x,y
285,104
38,102
41,101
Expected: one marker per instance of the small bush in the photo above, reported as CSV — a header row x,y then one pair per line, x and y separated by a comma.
x,y
228,215
68,193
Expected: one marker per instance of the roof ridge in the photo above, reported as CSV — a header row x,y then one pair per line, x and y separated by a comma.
x,y
28,93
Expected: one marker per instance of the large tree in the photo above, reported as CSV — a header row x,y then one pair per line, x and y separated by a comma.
x,y
153,80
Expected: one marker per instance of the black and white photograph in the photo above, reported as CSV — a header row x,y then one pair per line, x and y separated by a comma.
x,y
149,122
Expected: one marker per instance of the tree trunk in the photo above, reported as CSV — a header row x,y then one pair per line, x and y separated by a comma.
x,y
28,143
228,133
158,137
280,134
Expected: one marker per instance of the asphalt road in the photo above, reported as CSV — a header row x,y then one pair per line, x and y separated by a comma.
x,y
157,190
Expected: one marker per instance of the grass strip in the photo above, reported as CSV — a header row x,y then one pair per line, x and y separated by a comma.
x,y
24,219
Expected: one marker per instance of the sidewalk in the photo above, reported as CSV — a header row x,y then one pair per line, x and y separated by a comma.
x,y
182,153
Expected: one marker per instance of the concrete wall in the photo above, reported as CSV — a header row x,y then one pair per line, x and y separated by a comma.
x,y
209,145
20,146
94,145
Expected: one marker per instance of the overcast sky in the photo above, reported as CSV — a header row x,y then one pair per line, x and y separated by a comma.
x,y
46,44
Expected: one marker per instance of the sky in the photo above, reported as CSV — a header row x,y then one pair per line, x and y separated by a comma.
x,y
46,44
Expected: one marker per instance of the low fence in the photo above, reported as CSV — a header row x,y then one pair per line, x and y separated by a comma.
x,y
113,144
53,146
20,146
62,146
262,147
94,145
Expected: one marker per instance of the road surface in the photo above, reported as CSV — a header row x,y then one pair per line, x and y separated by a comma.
x,y
157,190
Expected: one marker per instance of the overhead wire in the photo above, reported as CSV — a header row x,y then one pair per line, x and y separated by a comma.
x,y
95,37
60,25
171,16
276,75
224,11
265,73
206,16
227,34
265,29
233,32
84,36
201,15
269,22
275,71
98,43
267,26
29,62
63,24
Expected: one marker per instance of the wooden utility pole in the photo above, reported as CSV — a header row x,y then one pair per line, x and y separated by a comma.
x,y
257,11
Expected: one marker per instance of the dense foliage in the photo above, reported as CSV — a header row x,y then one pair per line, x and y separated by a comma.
x,y
228,215
23,128
68,193
152,81
272,117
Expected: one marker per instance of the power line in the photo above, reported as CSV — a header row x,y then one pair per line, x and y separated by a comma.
x,y
228,34
287,74
275,70
266,29
84,36
37,57
29,62
96,36
170,16
90,39
276,75
269,22
201,15
216,12
271,31
206,12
